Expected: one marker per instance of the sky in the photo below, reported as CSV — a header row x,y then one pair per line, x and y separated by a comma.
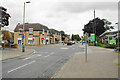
x,y
67,15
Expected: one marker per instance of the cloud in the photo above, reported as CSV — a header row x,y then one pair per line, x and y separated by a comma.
x,y
69,16
78,7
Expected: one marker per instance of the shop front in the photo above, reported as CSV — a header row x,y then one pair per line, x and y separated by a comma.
x,y
19,41
31,40
47,41
57,40
42,40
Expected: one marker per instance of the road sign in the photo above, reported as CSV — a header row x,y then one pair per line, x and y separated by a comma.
x,y
23,36
112,41
92,35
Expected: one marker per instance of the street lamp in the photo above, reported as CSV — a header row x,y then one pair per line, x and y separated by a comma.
x,y
23,48
118,35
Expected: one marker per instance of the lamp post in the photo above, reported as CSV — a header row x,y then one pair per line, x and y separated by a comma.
x,y
23,47
118,34
94,28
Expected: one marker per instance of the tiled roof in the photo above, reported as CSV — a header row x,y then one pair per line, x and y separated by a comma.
x,y
35,26
53,31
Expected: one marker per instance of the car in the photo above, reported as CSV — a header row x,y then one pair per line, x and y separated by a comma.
x,y
84,42
73,42
69,43
6,43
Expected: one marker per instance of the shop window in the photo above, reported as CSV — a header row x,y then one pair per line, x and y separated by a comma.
x,y
42,41
43,31
20,42
30,41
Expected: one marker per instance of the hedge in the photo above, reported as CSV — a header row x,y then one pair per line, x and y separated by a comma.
x,y
112,46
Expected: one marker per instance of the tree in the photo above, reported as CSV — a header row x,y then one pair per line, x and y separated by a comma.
x,y
98,26
107,24
4,17
75,37
95,26
63,35
72,38
7,35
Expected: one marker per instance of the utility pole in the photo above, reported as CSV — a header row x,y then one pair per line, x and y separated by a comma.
x,y
86,38
94,28
118,35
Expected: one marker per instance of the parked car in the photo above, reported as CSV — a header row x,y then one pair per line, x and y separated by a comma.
x,y
6,43
73,42
69,43
84,42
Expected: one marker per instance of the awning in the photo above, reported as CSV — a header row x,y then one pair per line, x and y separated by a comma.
x,y
47,38
19,38
57,39
31,38
42,38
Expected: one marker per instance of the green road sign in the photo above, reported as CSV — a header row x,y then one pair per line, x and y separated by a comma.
x,y
92,35
112,41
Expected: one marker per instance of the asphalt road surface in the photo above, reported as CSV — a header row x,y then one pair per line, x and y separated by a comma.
x,y
42,64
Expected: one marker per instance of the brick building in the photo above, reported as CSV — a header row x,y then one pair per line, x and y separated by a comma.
x,y
56,36
35,34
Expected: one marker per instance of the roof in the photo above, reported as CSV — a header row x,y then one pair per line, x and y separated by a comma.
x,y
53,31
108,32
35,26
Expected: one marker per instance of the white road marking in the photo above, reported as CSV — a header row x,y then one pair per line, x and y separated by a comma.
x,y
64,48
39,55
28,57
21,66
46,56
52,53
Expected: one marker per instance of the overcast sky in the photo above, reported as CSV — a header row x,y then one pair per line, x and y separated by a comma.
x,y
67,15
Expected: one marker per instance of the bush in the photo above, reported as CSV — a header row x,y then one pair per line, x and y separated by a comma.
x,y
91,44
112,46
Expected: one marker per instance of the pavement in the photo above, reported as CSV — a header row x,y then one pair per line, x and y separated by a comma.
x,y
10,53
101,63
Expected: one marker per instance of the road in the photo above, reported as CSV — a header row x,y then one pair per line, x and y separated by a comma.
x,y
42,64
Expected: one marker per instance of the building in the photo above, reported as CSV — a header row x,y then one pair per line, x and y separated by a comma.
x,y
109,34
67,38
35,34
56,36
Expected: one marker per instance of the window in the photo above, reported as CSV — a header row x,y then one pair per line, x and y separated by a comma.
x,y
43,31
42,41
47,32
20,42
30,30
20,31
30,41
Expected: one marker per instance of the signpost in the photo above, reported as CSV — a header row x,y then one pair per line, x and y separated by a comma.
x,y
92,35
86,38
23,47
112,41
23,36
